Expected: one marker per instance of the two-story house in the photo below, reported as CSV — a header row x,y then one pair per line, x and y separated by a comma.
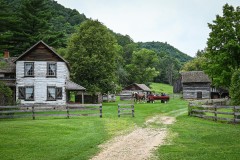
x,y
42,77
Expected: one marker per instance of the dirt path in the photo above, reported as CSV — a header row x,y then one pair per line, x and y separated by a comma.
x,y
138,144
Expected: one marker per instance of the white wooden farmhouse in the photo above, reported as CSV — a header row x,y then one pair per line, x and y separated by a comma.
x,y
42,77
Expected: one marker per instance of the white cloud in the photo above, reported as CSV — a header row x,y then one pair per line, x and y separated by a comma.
x,y
181,23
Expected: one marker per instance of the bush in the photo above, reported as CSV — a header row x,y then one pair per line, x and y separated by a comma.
x,y
6,94
235,88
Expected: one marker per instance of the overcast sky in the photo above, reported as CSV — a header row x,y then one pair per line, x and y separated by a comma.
x,y
181,23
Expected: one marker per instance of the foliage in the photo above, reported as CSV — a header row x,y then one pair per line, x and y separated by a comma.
x,y
143,66
196,64
169,68
167,49
223,46
92,53
235,88
5,94
23,23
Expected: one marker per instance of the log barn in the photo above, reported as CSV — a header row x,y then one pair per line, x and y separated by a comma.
x,y
196,85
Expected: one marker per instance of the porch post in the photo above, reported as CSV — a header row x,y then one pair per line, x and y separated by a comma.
x,y
82,97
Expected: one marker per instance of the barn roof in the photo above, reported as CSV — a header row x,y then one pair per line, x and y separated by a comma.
x,y
143,87
74,86
136,86
194,76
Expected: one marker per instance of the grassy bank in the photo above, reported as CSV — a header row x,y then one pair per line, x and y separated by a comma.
x,y
196,138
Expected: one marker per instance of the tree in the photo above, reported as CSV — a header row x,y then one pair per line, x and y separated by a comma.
x,y
169,67
92,52
235,88
196,64
143,66
223,46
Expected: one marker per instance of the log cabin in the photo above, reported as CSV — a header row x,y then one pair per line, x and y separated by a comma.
x,y
196,85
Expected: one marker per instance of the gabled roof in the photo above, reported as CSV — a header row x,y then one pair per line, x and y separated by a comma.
x,y
194,76
138,86
48,47
74,86
143,87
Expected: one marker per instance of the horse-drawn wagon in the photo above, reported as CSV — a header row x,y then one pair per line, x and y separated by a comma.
x,y
151,98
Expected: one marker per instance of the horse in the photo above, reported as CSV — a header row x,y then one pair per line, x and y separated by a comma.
x,y
138,97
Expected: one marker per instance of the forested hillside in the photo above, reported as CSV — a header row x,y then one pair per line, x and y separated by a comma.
x,y
25,22
165,48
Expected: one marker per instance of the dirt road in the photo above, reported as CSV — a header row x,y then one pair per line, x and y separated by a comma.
x,y
139,144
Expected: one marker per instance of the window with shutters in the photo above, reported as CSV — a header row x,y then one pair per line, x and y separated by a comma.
x,y
26,93
29,93
51,93
54,93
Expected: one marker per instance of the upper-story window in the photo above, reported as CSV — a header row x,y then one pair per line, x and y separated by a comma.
x,y
51,69
29,69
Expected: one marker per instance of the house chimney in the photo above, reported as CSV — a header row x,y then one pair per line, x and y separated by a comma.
x,y
6,54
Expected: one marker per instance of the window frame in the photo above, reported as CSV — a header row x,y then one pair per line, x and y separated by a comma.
x,y
55,71
25,72
32,99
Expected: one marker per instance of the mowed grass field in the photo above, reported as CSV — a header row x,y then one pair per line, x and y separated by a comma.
x,y
78,138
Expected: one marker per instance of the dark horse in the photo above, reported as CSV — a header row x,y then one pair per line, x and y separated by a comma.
x,y
138,97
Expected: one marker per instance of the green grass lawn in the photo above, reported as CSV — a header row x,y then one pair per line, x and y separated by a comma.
x,y
78,138
161,88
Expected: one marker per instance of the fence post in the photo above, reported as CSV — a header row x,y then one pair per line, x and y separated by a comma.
x,y
132,110
215,112
67,111
33,113
100,109
189,109
118,110
234,115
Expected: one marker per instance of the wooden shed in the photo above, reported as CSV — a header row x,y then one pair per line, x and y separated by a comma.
x,y
126,93
196,85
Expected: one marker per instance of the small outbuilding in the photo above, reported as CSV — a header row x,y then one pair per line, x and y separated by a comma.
x,y
196,85
126,93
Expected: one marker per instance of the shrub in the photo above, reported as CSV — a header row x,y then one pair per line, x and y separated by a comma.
x,y
235,88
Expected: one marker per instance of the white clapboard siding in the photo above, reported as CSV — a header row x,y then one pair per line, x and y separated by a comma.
x,y
40,81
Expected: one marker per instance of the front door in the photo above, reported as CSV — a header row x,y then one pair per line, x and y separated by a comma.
x,y
199,95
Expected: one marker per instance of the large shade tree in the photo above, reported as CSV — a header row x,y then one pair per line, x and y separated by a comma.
x,y
143,66
223,46
92,53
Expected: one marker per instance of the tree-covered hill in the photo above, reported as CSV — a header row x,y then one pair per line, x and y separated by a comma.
x,y
24,22
165,48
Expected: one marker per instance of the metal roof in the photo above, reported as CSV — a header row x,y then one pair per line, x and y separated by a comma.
x,y
74,86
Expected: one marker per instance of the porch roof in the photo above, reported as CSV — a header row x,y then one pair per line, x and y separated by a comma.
x,y
70,85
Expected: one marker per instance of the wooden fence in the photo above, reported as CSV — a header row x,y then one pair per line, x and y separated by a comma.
x,y
125,109
34,111
215,112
